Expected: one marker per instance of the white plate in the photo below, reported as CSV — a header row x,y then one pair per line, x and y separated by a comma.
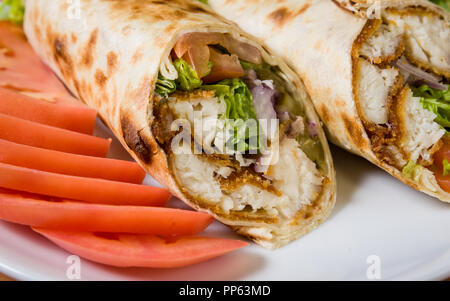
x,y
379,227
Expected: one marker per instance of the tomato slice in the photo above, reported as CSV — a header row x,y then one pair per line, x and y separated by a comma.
x,y
224,66
53,213
79,188
126,250
75,118
22,70
40,135
198,58
195,40
439,156
70,164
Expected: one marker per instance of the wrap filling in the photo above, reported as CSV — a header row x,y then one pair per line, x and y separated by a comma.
x,y
237,135
401,84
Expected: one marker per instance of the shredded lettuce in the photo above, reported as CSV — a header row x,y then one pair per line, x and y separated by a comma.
x,y
436,101
412,170
12,10
444,3
204,1
239,117
165,86
240,114
446,167
187,77
312,147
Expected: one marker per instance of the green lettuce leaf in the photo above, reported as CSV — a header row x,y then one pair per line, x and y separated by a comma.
x,y
165,86
446,167
240,114
444,3
12,10
436,101
412,170
187,77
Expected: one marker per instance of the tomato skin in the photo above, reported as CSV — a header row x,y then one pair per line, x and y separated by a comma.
x,y
194,40
224,66
80,188
74,118
53,213
70,164
125,250
439,156
198,58
40,135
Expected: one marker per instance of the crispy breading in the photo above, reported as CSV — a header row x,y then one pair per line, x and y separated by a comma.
x,y
190,95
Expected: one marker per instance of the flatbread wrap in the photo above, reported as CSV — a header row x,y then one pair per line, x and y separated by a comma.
x,y
224,124
377,73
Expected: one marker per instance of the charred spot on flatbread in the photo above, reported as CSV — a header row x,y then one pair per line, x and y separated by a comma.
x,y
283,15
87,57
111,62
354,132
100,78
73,37
134,140
61,57
280,16
324,114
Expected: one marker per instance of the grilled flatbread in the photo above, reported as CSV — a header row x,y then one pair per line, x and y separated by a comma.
x,y
171,79
377,73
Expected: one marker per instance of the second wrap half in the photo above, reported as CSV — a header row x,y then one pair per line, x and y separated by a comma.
x,y
377,73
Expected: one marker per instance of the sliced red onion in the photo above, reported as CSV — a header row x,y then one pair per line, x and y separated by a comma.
x,y
262,98
268,83
312,129
264,107
408,69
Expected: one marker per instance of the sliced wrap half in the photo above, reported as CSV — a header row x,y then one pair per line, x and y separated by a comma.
x,y
187,94
377,73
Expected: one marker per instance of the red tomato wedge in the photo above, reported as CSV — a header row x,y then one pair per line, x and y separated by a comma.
x,y
224,66
40,135
40,211
75,118
126,250
90,190
198,58
22,70
439,156
195,40
70,164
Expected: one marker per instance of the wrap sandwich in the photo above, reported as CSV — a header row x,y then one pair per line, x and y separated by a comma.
x,y
377,73
223,124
